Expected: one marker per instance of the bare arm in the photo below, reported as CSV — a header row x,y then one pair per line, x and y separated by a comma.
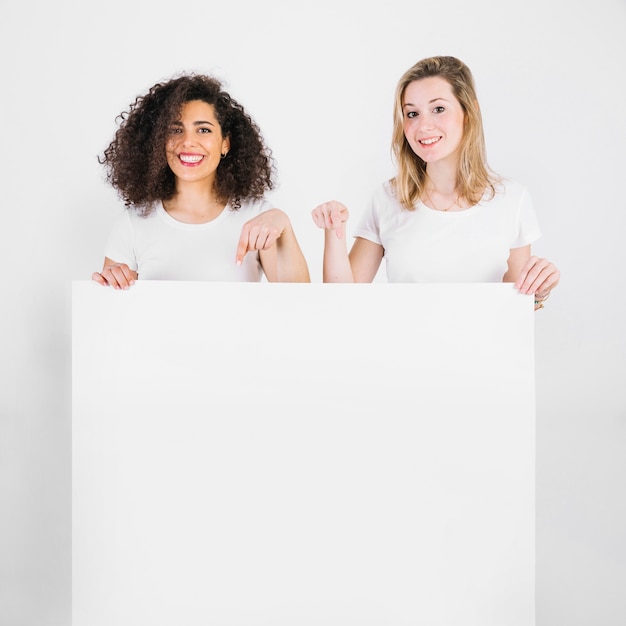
x,y
363,261
517,259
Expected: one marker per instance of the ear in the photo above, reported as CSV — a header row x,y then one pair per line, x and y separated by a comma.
x,y
225,145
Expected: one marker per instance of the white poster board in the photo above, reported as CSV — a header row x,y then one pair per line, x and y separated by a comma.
x,y
275,454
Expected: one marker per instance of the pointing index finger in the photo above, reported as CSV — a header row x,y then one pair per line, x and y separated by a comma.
x,y
242,246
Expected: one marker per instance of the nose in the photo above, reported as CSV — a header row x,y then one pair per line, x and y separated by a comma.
x,y
425,122
188,137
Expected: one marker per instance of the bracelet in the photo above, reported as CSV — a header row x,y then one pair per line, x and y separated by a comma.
x,y
539,301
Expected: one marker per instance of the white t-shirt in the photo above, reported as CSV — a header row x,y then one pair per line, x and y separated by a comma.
x,y
472,245
158,247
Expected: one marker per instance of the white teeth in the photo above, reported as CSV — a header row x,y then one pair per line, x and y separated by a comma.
x,y
188,158
427,142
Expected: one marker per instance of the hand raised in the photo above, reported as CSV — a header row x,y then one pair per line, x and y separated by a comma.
x,y
331,216
261,232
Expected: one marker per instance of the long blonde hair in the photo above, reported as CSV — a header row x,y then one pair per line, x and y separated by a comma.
x,y
474,176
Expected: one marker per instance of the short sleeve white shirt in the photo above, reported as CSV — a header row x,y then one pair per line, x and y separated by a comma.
x,y
473,245
158,247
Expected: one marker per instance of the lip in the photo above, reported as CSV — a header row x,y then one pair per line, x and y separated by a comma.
x,y
190,159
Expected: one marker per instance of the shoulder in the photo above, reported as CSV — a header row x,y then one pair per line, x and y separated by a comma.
x,y
135,213
132,222
252,206
386,191
383,197
509,193
248,210
139,217
510,188
514,205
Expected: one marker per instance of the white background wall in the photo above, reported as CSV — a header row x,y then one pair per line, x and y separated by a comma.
x,y
319,78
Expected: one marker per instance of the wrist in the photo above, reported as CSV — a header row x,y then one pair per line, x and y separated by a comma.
x,y
284,224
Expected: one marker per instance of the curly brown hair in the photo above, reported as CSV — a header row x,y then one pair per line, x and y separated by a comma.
x,y
135,161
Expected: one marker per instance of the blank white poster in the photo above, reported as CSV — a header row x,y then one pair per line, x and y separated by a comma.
x,y
303,454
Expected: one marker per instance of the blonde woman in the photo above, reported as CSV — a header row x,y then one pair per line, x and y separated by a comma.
x,y
445,216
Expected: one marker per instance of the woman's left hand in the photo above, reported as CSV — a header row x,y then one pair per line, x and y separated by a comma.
x,y
538,277
261,232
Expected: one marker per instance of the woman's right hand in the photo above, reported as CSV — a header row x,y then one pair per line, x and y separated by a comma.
x,y
117,275
331,216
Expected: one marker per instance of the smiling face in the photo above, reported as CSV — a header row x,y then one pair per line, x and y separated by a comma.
x,y
195,144
433,120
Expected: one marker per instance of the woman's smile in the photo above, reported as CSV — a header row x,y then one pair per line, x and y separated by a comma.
x,y
190,159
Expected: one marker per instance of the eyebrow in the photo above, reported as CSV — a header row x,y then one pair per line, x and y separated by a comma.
x,y
197,123
409,104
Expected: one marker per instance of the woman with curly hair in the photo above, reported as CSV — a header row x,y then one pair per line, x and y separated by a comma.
x,y
192,169
445,216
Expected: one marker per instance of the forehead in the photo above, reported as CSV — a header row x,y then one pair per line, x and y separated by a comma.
x,y
198,110
426,89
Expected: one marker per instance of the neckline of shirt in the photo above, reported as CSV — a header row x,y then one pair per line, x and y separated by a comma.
x,y
163,214
468,211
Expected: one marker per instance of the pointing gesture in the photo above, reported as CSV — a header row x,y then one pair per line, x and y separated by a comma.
x,y
331,216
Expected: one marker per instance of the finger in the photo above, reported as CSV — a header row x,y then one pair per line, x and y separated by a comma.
x,y
538,275
128,274
318,218
545,289
261,239
266,240
119,276
545,281
336,223
525,271
99,278
109,278
122,278
114,277
243,246
529,273
329,217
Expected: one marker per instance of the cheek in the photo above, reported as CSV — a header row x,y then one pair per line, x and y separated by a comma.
x,y
170,154
409,135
